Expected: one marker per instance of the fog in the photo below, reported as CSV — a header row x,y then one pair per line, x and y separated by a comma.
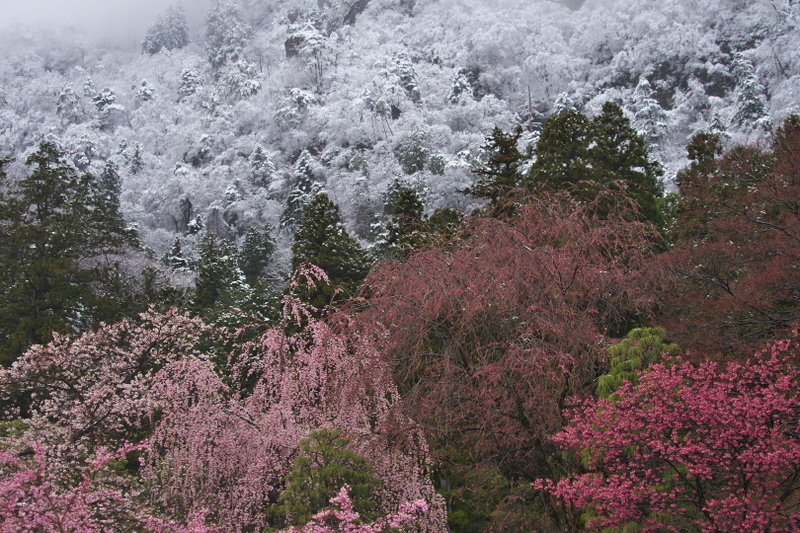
x,y
102,15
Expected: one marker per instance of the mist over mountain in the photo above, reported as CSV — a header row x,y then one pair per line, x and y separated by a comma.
x,y
212,113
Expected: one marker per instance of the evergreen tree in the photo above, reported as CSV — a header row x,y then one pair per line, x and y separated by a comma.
x,y
619,156
751,111
169,32
226,33
304,189
501,173
640,348
322,240
405,232
589,158
262,168
649,117
190,82
175,258
255,253
323,468
218,275
54,224
135,160
562,153
110,187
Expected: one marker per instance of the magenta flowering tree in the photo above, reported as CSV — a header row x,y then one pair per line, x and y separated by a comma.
x,y
707,447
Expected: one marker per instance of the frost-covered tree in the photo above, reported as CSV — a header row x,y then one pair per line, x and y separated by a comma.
x,y
189,84
460,87
69,106
403,69
145,92
226,33
241,79
169,32
751,112
304,188
262,167
649,118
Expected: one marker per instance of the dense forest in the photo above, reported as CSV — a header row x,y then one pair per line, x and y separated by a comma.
x,y
403,266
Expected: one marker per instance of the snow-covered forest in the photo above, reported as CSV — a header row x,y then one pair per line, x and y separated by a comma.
x,y
402,265
222,123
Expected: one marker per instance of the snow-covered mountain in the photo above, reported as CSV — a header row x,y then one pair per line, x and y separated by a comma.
x,y
218,122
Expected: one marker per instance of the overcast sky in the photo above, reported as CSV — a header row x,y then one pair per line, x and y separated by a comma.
x,y
131,14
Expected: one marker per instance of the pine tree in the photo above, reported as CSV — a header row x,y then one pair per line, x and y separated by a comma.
x,y
262,167
323,468
649,117
190,82
218,275
304,189
501,173
751,112
405,232
322,240
54,224
110,187
640,348
255,254
590,157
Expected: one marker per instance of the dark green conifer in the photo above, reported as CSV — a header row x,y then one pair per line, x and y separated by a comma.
x,y
217,274
501,173
322,240
324,466
591,158
54,225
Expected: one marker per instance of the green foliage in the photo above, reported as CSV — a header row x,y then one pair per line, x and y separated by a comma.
x,y
414,156
405,231
323,467
255,254
55,226
639,349
501,173
590,157
218,276
322,240
445,221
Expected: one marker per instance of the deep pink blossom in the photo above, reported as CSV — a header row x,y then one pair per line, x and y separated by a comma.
x,y
712,447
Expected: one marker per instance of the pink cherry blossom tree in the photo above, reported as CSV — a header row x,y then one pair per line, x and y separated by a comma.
x,y
227,449
215,438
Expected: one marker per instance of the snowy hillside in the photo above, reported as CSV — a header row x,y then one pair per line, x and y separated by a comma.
x,y
234,122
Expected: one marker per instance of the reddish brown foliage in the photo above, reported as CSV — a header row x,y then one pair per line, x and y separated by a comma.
x,y
737,251
488,337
